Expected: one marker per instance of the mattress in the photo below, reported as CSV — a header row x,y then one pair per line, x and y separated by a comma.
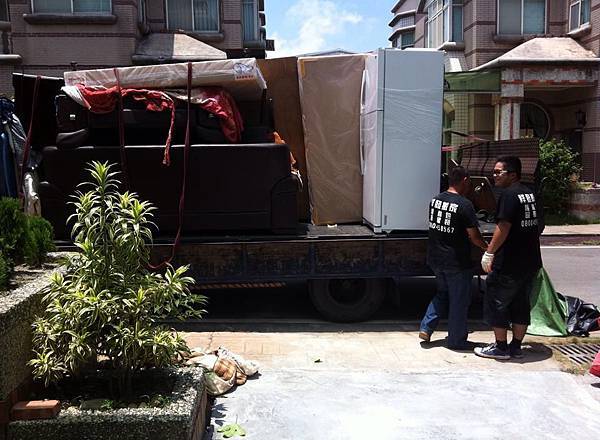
x,y
241,77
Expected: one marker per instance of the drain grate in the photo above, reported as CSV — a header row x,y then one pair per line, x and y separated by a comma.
x,y
580,354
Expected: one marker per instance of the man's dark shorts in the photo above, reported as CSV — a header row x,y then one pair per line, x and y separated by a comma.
x,y
507,299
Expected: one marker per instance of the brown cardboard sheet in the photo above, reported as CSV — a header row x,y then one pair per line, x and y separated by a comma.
x,y
281,75
330,100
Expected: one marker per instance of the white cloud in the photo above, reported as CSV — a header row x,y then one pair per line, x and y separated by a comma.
x,y
314,21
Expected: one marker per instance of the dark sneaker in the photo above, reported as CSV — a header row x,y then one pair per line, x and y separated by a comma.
x,y
515,352
424,336
492,351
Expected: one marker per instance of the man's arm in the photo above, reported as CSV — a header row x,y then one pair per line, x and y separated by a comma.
x,y
499,237
476,238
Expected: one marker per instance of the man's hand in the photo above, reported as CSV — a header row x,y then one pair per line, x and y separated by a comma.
x,y
486,262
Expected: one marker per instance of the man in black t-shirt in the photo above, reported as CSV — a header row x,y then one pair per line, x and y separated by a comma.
x,y
452,225
511,260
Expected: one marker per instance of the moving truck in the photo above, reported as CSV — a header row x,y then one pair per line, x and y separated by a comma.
x,y
348,267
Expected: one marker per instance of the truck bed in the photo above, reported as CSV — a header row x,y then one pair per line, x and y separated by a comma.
x,y
316,252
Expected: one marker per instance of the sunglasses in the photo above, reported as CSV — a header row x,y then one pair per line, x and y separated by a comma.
x,y
499,172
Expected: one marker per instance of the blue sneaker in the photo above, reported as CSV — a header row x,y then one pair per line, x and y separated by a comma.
x,y
492,351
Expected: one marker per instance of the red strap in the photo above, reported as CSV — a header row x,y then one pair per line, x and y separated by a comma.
x,y
121,130
186,151
27,146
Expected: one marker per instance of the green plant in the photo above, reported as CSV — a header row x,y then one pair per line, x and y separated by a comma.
x,y
4,272
39,240
13,227
559,167
108,302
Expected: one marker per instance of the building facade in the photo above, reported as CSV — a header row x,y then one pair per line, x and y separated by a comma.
x,y
547,55
48,37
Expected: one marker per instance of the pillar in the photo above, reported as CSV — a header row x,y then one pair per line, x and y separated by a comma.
x,y
507,106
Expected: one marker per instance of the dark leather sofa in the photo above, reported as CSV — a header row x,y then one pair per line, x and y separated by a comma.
x,y
232,187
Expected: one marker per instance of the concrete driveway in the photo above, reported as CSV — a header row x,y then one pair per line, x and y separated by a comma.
x,y
386,385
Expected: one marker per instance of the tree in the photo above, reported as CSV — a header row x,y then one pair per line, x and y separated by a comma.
x,y
108,302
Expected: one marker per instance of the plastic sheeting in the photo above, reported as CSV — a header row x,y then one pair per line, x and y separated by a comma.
x,y
240,77
330,90
548,308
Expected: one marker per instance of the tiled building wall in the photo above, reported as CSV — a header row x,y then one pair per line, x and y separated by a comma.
x,y
460,123
52,47
155,15
481,116
557,17
231,22
592,40
6,80
420,20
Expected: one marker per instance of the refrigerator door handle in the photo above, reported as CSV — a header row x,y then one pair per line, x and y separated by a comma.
x,y
363,90
362,124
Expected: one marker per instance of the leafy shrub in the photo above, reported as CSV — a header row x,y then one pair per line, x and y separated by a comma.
x,y
4,272
39,240
558,166
13,227
108,302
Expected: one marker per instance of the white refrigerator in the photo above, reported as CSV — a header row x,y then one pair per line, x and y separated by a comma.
x,y
401,136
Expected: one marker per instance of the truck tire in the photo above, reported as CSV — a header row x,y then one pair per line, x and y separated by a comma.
x,y
347,300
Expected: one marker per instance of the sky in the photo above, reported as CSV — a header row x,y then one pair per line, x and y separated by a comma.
x,y
306,26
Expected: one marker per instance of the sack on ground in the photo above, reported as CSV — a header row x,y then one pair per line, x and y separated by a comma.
x,y
249,368
215,385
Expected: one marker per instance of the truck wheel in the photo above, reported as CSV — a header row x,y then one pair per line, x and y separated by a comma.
x,y
347,300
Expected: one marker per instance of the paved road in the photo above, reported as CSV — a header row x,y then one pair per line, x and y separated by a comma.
x,y
574,271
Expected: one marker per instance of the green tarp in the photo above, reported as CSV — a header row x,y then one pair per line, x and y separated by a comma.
x,y
549,309
488,81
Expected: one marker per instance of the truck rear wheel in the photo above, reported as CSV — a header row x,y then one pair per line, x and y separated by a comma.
x,y
347,300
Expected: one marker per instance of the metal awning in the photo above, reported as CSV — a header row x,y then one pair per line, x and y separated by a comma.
x,y
472,82
157,48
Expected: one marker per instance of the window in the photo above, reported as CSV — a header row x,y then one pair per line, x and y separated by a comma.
x,y
444,22
521,17
406,21
534,121
250,20
4,15
142,11
72,6
407,39
579,14
193,15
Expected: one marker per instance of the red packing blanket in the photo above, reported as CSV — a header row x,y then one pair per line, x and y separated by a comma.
x,y
214,100
101,100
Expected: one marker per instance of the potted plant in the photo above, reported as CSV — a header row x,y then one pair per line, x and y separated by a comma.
x,y
103,314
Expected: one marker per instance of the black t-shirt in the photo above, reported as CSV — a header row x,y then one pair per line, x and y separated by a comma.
x,y
520,253
449,217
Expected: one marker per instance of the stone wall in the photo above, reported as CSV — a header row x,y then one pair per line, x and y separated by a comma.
x,y
18,309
